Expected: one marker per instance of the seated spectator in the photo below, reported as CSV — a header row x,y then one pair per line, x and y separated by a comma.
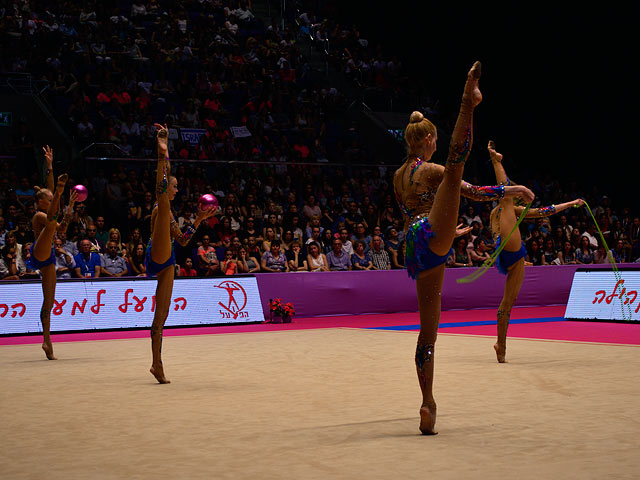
x,y
274,260
549,254
584,253
287,240
347,246
253,250
246,262
115,237
23,234
479,254
360,234
326,240
337,260
620,252
397,257
600,254
88,263
68,245
379,256
392,240
187,270
229,265
567,256
28,272
136,260
359,259
460,253
112,264
8,268
316,260
208,264
64,260
269,238
534,253
96,245
295,258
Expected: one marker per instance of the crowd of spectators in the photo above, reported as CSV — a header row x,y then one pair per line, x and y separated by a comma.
x,y
232,87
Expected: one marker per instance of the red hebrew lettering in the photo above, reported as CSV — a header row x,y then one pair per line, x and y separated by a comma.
x,y
178,300
632,292
613,294
6,309
96,308
16,306
78,306
599,292
123,307
57,307
638,307
153,304
139,303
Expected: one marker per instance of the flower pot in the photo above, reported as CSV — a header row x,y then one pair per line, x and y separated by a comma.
x,y
286,319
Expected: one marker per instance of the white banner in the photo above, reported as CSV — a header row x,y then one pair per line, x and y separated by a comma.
x,y
604,295
192,135
82,305
240,132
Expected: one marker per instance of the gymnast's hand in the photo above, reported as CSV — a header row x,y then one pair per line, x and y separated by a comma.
x,y
461,230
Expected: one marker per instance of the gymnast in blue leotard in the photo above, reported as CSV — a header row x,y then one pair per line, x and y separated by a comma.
x,y
45,225
510,261
429,196
160,257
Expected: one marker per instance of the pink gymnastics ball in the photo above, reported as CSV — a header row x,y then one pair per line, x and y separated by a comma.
x,y
208,201
82,192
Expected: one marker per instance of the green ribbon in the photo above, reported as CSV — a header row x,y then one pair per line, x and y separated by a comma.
x,y
492,259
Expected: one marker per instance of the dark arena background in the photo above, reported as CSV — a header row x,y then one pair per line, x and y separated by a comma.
x,y
292,113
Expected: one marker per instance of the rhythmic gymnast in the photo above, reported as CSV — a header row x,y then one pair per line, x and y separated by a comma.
x,y
429,196
43,257
160,257
510,261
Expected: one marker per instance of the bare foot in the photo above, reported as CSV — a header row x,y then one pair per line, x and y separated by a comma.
x,y
158,372
428,420
48,350
495,156
62,182
501,353
472,88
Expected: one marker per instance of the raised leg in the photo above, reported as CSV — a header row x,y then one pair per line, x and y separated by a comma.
x,y
515,277
48,292
429,288
164,291
444,213
42,247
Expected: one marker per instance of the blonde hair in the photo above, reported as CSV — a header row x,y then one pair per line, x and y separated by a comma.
x,y
42,192
415,133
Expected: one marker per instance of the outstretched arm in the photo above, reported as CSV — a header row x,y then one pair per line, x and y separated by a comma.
x,y
48,155
184,238
495,192
68,213
550,210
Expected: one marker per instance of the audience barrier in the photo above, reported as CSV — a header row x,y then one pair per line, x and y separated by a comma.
x,y
111,304
365,292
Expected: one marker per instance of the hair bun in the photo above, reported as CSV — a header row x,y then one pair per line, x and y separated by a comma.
x,y
416,117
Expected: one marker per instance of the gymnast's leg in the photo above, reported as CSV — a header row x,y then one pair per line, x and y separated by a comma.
x,y
429,288
41,252
160,253
443,219
515,277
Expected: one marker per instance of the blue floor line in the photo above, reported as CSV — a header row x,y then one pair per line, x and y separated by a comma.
x,y
473,324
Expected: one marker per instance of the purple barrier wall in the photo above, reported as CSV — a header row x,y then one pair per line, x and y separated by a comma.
x,y
353,293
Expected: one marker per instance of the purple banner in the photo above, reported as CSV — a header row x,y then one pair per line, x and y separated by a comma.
x,y
354,293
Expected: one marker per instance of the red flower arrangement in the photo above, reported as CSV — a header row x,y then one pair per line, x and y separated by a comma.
x,y
280,309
